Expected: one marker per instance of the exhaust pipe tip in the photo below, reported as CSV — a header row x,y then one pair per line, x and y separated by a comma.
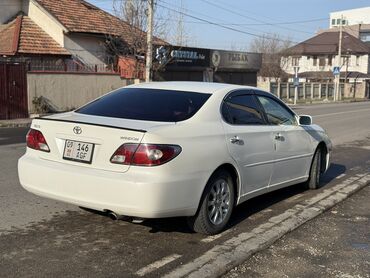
x,y
112,215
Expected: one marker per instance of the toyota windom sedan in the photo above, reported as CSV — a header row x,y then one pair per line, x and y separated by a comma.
x,y
173,149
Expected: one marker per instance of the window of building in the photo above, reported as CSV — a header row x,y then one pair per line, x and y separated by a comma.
x,y
314,60
295,61
365,36
346,60
322,62
333,21
338,21
357,60
330,60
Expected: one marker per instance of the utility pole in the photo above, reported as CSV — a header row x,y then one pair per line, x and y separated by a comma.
x,y
296,84
337,94
149,41
180,26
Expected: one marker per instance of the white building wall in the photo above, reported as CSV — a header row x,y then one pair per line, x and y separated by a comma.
x,y
87,48
306,64
49,24
9,9
352,17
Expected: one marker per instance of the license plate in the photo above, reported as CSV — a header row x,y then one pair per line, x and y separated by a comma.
x,y
78,151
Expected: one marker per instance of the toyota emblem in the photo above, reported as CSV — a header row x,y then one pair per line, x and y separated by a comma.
x,y
77,130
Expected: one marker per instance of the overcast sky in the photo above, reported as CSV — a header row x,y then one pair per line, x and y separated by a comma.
x,y
256,17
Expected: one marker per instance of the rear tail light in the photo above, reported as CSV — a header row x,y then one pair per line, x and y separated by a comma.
x,y
36,140
145,154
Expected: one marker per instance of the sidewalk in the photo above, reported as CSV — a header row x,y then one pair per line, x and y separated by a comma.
x,y
16,123
335,244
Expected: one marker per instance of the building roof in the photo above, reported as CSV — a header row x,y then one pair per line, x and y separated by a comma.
x,y
34,40
9,37
327,43
79,16
354,30
23,36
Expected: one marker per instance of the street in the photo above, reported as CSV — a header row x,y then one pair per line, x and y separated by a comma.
x,y
338,245
45,238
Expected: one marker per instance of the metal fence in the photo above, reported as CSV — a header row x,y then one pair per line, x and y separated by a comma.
x,y
305,90
68,66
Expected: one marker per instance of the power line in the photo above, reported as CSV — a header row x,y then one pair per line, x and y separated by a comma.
x,y
240,31
252,18
258,24
221,25
248,11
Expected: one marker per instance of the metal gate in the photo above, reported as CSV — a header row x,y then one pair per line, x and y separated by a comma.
x,y
13,91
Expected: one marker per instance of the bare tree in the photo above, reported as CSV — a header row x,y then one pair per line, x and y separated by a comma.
x,y
273,48
181,34
129,39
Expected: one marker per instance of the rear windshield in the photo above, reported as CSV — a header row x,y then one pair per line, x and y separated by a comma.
x,y
147,104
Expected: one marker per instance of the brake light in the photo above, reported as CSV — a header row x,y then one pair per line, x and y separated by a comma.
x,y
145,154
36,140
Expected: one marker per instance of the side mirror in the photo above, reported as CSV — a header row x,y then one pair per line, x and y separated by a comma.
x,y
305,120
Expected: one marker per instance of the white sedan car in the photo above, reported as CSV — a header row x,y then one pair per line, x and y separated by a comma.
x,y
170,149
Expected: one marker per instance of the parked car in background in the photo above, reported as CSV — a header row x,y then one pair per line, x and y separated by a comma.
x,y
171,149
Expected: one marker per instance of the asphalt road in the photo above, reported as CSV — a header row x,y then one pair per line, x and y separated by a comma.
x,y
345,122
335,244
13,135
43,238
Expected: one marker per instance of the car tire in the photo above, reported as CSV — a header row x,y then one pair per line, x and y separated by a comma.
x,y
313,181
216,205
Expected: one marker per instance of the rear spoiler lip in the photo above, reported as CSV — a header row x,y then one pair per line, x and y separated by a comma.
x,y
85,123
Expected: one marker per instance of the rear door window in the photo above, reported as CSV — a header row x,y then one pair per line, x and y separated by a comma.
x,y
147,105
242,110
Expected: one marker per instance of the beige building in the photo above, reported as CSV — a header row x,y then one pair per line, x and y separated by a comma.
x,y
79,28
317,56
350,17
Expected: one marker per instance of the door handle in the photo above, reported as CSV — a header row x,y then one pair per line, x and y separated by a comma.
x,y
278,136
236,140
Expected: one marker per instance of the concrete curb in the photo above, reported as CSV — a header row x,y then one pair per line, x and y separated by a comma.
x,y
223,257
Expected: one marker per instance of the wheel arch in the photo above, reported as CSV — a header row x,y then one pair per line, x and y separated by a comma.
x,y
324,157
234,175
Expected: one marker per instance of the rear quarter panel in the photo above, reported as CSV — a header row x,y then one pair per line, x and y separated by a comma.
x,y
203,151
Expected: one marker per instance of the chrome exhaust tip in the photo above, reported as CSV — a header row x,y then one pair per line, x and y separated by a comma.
x,y
112,215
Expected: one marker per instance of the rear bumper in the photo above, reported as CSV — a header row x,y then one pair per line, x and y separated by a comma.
x,y
140,192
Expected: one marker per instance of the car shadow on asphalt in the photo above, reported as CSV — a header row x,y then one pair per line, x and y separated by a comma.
x,y
334,171
243,211
260,203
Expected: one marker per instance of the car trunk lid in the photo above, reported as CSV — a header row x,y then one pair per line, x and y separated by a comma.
x,y
101,135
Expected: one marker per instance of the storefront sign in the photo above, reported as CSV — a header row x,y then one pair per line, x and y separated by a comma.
x,y
235,60
171,56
